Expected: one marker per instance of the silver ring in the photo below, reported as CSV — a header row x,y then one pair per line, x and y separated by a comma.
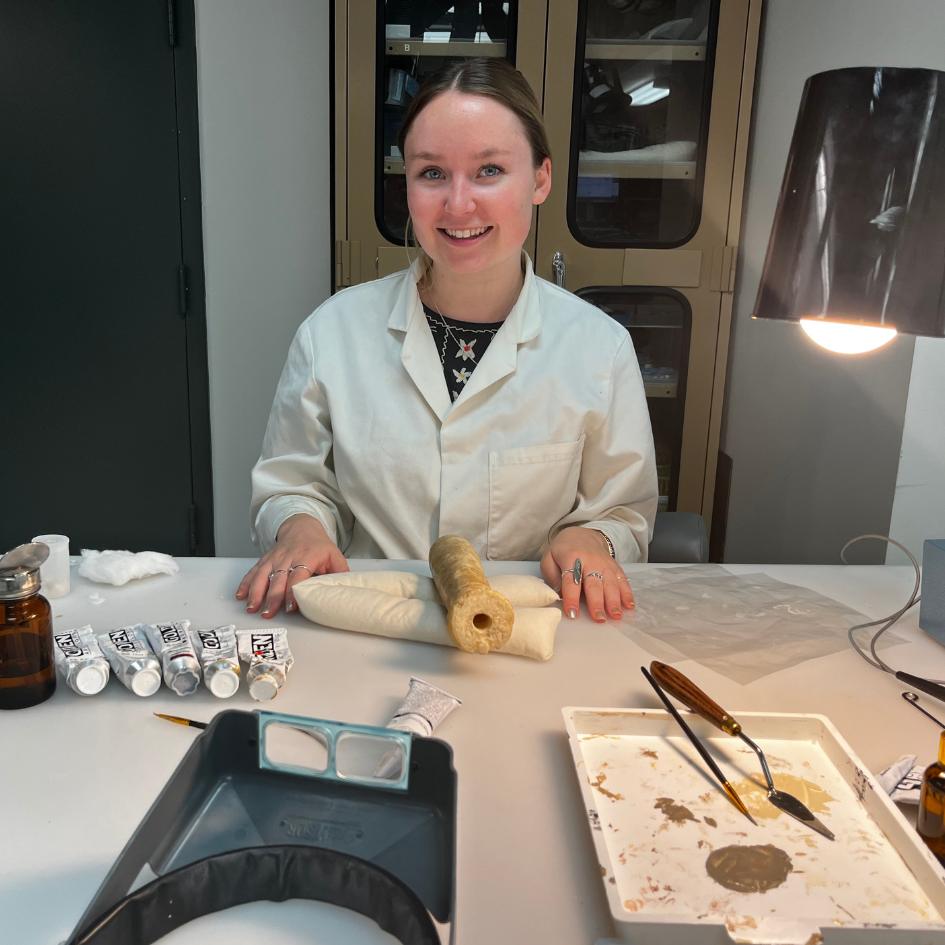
x,y
272,574
596,574
575,572
295,567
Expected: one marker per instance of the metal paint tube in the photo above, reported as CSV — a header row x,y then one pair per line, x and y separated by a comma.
x,y
216,650
269,659
80,661
128,651
424,707
172,643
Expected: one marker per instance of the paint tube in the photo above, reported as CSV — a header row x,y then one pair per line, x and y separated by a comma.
x,y
80,661
171,642
216,650
269,659
130,655
424,707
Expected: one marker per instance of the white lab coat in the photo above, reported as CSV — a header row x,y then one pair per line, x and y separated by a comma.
x,y
552,429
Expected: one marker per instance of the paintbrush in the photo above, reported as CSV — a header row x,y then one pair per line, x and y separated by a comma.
x,y
179,720
703,751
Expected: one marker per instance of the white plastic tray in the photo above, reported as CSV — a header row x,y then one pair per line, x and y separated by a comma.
x,y
876,883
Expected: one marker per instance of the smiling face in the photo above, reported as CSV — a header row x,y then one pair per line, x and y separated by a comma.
x,y
471,185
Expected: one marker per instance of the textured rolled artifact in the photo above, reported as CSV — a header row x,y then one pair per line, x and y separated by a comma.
x,y
479,619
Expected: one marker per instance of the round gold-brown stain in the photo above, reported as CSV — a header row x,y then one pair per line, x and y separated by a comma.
x,y
676,813
749,869
755,795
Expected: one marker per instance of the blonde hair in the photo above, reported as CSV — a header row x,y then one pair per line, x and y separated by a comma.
x,y
491,78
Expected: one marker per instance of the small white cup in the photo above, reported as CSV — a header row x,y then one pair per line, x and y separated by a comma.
x,y
54,572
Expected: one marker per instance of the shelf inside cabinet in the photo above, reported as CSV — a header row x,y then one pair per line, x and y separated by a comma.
x,y
630,49
661,170
394,166
447,48
660,388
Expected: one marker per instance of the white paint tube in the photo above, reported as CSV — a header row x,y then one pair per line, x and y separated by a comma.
x,y
80,661
269,658
424,707
216,650
130,655
172,643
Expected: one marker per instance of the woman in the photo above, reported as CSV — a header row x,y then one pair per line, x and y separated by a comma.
x,y
464,395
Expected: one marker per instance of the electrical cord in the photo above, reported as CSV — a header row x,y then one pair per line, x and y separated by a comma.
x,y
928,686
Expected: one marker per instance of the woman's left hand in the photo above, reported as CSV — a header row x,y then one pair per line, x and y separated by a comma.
x,y
605,587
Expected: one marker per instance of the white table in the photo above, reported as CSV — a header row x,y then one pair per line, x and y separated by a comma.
x,y
77,775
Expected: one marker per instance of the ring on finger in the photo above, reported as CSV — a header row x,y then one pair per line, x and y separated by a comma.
x,y
295,567
575,572
596,574
272,574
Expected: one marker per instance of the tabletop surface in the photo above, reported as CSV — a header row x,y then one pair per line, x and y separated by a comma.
x,y
78,774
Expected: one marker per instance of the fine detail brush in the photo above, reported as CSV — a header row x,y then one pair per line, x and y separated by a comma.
x,y
180,720
697,744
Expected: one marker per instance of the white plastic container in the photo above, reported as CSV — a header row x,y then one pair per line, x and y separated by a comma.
x,y
656,813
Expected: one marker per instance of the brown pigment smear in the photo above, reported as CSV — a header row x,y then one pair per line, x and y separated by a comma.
x,y
755,795
749,869
672,811
598,783
648,753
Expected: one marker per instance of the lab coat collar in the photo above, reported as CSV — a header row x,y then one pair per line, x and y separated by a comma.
x,y
421,360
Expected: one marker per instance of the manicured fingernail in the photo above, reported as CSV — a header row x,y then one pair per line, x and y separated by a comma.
x,y
617,614
572,613
599,614
265,613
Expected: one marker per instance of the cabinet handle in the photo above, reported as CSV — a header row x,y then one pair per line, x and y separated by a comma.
x,y
558,267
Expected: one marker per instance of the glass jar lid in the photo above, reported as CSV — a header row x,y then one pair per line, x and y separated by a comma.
x,y
19,571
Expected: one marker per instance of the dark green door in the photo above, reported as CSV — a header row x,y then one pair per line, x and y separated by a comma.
x,y
105,429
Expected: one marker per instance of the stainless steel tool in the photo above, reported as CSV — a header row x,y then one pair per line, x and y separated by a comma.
x,y
687,692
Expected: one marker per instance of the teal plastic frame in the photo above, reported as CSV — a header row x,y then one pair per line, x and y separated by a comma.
x,y
330,732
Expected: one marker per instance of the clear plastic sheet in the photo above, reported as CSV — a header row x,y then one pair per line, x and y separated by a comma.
x,y
742,626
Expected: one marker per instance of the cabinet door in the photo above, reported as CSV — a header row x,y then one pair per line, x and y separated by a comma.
x,y
642,109
390,46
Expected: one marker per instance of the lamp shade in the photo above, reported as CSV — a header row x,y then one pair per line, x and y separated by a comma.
x,y
859,230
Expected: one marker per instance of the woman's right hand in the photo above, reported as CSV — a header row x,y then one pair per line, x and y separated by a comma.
x,y
302,549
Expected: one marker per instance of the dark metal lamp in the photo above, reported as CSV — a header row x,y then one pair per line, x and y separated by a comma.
x,y
859,231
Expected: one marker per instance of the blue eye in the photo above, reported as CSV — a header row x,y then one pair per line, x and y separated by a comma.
x,y
432,173
491,170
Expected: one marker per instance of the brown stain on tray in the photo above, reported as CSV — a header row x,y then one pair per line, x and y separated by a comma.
x,y
673,812
754,793
749,869
598,784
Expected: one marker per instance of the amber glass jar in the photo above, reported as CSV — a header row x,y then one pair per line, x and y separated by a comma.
x,y
27,665
930,820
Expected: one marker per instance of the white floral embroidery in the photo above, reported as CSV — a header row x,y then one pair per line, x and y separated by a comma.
x,y
462,375
466,350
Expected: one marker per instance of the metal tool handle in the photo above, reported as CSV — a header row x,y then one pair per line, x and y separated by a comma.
x,y
558,267
687,692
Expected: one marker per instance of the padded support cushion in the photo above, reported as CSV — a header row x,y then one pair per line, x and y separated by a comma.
x,y
406,606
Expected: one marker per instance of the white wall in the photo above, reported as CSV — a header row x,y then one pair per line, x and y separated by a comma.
x,y
919,505
263,86
814,439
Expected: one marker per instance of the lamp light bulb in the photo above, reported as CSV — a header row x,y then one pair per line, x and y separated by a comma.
x,y
844,338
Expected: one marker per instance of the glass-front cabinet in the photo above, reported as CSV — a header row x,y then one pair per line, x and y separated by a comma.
x,y
640,118
417,39
647,105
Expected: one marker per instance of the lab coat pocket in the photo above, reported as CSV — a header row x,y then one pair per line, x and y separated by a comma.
x,y
530,488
